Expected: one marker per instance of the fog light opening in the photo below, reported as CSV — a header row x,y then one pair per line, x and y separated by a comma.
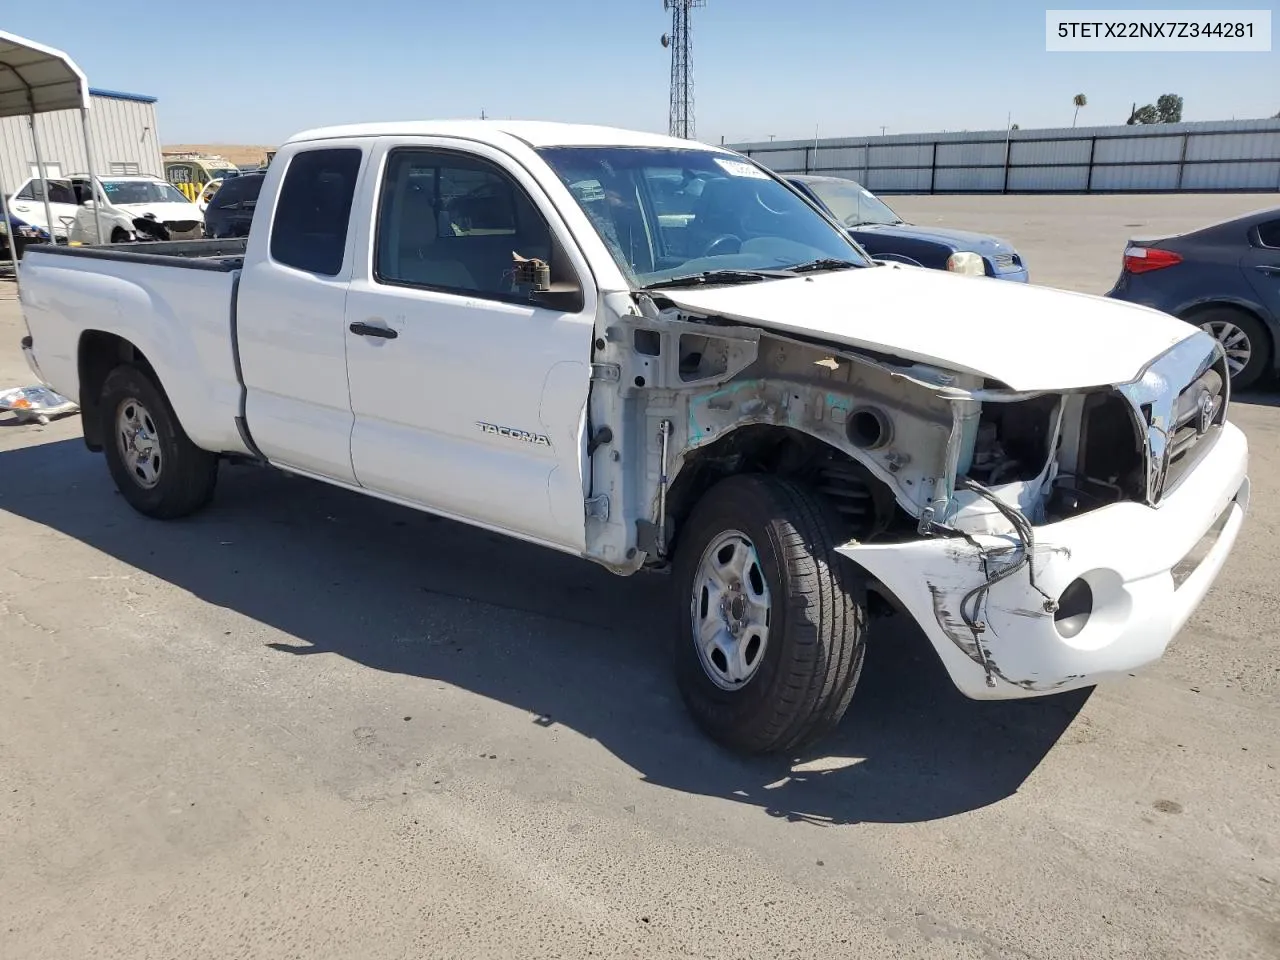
x,y
1075,606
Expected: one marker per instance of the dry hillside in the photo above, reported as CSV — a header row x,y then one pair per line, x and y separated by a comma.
x,y
240,154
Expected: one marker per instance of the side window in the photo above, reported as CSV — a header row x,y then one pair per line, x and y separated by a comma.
x,y
453,222
59,192
1269,233
310,227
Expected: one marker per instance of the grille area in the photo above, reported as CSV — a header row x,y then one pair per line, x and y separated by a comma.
x,y
1180,402
1007,261
183,229
1198,414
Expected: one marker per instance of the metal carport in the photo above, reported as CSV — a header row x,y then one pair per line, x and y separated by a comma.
x,y
38,79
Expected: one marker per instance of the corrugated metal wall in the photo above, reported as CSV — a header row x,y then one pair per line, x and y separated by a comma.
x,y
1217,155
123,131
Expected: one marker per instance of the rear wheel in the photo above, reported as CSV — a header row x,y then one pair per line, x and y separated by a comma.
x,y
152,460
1244,338
771,633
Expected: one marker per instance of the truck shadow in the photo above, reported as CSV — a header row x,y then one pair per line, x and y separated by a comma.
x,y
407,593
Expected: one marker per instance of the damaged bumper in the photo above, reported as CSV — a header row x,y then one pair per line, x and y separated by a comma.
x,y
1146,569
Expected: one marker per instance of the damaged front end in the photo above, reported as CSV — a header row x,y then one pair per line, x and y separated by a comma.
x,y
989,515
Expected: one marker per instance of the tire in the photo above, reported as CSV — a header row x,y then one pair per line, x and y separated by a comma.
x,y
164,475
801,681
119,235
1226,324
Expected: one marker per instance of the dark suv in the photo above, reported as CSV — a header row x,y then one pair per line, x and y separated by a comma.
x,y
231,210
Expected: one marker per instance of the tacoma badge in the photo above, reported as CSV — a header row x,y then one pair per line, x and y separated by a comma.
x,y
538,439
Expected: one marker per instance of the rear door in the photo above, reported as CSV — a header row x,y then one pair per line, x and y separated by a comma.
x,y
1261,264
469,397
290,315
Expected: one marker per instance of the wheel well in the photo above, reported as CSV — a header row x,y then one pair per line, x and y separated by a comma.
x,y
98,354
862,502
119,232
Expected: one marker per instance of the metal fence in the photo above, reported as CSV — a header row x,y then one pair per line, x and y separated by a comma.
x,y
1222,156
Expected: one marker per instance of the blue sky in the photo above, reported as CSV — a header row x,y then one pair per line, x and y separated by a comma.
x,y
261,71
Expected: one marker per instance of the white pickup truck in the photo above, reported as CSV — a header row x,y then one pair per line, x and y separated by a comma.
x,y
656,354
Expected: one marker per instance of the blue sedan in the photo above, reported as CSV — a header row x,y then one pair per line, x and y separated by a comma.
x,y
1224,278
885,235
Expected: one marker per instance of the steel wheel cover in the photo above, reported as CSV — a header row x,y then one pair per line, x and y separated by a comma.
x,y
729,609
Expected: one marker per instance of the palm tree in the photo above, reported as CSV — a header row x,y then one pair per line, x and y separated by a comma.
x,y
1080,100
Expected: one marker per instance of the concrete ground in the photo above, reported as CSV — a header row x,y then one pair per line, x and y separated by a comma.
x,y
309,724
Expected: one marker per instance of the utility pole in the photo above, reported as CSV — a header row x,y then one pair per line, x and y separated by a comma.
x,y
680,120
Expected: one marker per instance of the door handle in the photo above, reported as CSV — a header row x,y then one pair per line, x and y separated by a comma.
x,y
1268,269
372,330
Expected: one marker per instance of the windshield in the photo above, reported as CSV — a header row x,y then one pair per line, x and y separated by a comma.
x,y
667,213
851,202
125,192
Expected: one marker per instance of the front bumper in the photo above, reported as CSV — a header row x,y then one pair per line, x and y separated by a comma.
x,y
1021,275
1148,569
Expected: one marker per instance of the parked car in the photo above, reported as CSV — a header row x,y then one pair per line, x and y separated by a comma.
x,y
26,235
121,201
489,321
1224,278
230,210
27,202
882,233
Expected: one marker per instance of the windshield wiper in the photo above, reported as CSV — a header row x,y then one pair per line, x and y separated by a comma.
x,y
824,263
718,276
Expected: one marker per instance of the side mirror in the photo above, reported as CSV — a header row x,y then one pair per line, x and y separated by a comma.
x,y
565,297
87,203
536,275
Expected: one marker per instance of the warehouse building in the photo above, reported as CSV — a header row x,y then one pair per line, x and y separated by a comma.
x,y
121,125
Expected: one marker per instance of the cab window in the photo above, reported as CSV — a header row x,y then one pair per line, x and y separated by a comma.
x,y
453,222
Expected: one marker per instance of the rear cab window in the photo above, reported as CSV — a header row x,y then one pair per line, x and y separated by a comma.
x,y
313,212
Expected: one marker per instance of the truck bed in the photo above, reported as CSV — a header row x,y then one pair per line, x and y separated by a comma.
x,y
220,255
172,300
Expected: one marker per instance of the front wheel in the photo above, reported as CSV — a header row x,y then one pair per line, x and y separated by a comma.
x,y
155,465
772,622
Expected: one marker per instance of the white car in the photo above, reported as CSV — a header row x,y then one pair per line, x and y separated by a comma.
x,y
120,201
492,321
27,202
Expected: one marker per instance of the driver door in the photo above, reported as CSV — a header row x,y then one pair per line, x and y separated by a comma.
x,y
469,397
